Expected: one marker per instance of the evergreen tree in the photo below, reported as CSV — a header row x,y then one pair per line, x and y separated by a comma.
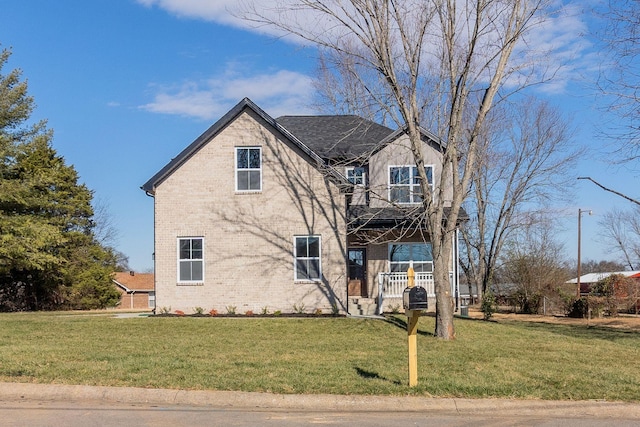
x,y
49,256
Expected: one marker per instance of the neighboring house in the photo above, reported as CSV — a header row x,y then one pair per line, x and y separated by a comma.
x,y
588,280
136,290
291,214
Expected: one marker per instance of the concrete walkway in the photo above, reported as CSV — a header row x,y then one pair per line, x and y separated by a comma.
x,y
244,400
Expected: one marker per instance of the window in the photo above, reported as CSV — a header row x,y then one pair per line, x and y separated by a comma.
x,y
401,253
404,183
152,299
356,175
248,169
191,259
307,258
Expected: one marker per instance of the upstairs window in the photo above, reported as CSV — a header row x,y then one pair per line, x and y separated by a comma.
x,y
248,169
191,259
307,258
404,184
356,175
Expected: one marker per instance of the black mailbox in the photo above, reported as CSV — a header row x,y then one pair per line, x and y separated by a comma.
x,y
415,298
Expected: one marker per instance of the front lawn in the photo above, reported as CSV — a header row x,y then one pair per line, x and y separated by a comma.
x,y
323,355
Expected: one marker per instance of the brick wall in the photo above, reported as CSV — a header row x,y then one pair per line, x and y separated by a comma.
x,y
249,238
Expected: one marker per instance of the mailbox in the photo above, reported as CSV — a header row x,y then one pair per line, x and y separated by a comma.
x,y
415,298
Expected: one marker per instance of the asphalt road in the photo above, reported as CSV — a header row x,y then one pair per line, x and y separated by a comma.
x,y
74,406
88,414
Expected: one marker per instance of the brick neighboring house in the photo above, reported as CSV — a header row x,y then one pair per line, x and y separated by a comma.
x,y
136,290
313,212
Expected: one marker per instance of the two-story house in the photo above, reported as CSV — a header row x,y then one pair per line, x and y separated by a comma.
x,y
298,213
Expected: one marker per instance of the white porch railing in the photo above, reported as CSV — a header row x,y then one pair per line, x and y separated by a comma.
x,y
392,285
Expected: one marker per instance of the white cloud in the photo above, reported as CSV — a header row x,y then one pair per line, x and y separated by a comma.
x,y
559,41
213,10
282,92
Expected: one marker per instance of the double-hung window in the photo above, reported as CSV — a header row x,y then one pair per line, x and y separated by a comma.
x,y
307,258
248,169
356,175
190,259
401,254
404,183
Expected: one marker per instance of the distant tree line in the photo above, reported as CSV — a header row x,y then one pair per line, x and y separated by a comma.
x,y
50,257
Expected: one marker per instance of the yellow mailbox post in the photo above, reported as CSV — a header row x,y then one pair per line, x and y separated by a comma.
x,y
414,300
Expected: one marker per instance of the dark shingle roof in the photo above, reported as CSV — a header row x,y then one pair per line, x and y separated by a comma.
x,y
336,137
365,217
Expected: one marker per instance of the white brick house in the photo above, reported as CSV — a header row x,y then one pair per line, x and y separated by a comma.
x,y
280,214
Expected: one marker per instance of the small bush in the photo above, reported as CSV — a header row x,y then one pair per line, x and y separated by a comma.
x,y
277,313
231,309
265,310
334,309
248,313
298,308
318,311
213,312
198,310
578,308
165,310
395,309
488,305
180,312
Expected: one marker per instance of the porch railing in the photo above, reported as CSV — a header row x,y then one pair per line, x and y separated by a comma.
x,y
392,285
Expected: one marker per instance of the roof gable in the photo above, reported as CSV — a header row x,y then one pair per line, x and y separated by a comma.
x,y
217,127
130,281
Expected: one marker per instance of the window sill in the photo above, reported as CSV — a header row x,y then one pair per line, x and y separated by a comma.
x,y
248,192
190,284
310,281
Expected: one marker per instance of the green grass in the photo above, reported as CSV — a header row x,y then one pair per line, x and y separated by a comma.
x,y
323,355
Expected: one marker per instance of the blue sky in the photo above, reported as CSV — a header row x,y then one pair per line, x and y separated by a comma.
x,y
126,85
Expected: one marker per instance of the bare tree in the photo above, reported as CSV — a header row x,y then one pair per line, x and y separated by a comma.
x,y
439,62
621,232
526,160
533,263
620,79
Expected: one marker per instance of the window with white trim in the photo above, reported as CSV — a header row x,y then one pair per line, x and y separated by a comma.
x,y
248,168
404,183
356,175
306,253
401,254
190,259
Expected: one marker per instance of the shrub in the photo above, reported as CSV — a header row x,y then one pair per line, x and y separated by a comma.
x,y
298,308
488,305
248,313
578,308
213,312
180,312
277,313
527,303
165,310
231,309
334,309
198,310
265,310
318,311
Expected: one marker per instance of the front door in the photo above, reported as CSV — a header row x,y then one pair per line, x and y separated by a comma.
x,y
357,272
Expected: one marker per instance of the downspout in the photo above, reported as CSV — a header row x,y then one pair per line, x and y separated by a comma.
x,y
155,292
